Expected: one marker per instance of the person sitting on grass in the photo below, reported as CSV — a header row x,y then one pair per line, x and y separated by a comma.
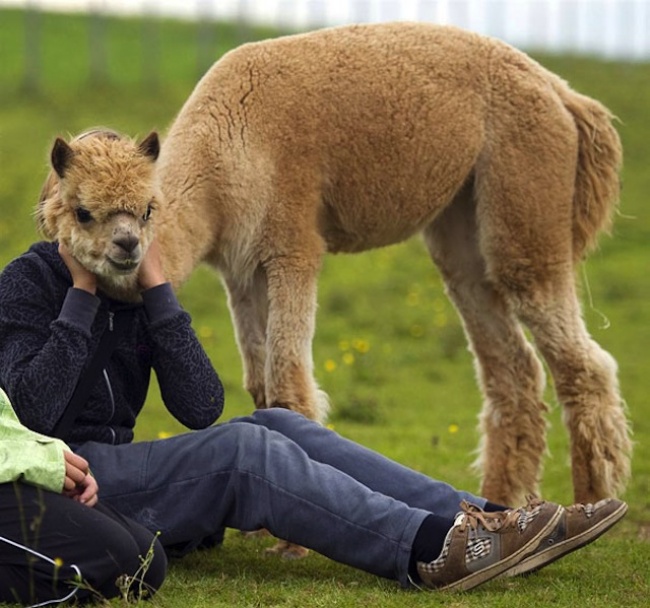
x,y
274,469
57,541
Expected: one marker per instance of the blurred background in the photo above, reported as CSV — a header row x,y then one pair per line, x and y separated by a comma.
x,y
615,29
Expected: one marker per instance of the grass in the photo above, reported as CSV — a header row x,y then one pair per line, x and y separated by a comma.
x,y
389,348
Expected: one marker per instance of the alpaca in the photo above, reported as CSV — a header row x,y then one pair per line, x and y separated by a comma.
x,y
358,137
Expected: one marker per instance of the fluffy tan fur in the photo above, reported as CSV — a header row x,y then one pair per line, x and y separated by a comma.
x,y
352,138
98,200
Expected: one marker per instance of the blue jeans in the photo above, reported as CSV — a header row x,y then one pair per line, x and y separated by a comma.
x,y
276,470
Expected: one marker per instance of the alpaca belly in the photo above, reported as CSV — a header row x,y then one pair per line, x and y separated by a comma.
x,y
354,230
382,210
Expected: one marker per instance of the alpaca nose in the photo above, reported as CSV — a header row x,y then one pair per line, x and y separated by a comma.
x,y
128,243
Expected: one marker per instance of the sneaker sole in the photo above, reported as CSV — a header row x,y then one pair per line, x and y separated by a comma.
x,y
486,574
543,558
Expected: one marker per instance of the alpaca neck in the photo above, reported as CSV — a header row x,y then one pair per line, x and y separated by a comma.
x,y
183,234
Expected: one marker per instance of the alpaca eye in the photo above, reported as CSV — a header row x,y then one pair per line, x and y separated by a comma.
x,y
83,215
147,213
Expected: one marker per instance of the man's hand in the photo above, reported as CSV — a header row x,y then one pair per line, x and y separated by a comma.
x,y
151,273
82,278
79,484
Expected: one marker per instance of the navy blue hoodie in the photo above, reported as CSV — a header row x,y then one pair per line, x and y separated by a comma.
x,y
49,331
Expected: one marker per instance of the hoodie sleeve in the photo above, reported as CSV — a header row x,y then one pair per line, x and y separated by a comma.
x,y
189,385
28,456
45,329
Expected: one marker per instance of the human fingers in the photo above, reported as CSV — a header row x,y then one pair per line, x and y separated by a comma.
x,y
77,461
74,470
88,492
75,465
82,278
68,259
69,485
151,272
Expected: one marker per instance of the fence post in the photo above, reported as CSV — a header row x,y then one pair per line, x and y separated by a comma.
x,y
151,45
97,46
31,79
204,31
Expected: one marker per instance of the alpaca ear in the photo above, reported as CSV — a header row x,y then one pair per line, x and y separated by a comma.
x,y
61,156
150,145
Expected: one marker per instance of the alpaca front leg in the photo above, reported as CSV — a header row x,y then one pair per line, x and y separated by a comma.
x,y
291,284
289,334
248,305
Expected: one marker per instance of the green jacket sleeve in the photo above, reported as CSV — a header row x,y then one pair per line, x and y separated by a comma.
x,y
28,456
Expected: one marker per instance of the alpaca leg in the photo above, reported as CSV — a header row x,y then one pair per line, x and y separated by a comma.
x,y
587,387
510,374
291,315
249,309
292,286
525,204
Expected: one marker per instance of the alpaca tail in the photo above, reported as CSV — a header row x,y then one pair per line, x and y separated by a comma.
x,y
600,158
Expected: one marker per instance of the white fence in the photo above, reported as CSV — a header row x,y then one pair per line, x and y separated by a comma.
x,y
606,28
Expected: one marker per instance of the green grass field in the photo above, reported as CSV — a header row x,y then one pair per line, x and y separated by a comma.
x,y
389,348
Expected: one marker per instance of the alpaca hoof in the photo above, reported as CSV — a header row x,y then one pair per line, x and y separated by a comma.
x,y
287,550
262,533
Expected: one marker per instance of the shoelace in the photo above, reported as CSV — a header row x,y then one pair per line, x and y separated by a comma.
x,y
533,501
493,521
587,509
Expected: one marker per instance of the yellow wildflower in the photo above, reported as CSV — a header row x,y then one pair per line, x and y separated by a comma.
x,y
413,298
361,346
205,331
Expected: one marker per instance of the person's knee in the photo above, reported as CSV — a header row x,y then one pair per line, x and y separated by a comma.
x,y
122,568
276,418
273,418
241,442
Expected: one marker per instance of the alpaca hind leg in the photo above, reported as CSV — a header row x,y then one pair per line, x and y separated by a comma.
x,y
510,374
587,387
525,198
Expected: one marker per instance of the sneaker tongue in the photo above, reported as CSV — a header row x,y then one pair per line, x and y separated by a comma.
x,y
460,517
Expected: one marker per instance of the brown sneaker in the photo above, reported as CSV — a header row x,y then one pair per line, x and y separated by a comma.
x,y
483,545
578,526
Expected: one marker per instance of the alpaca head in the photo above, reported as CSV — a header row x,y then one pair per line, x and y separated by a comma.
x,y
100,200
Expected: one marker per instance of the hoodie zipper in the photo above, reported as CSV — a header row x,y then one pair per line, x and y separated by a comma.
x,y
110,394
107,380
